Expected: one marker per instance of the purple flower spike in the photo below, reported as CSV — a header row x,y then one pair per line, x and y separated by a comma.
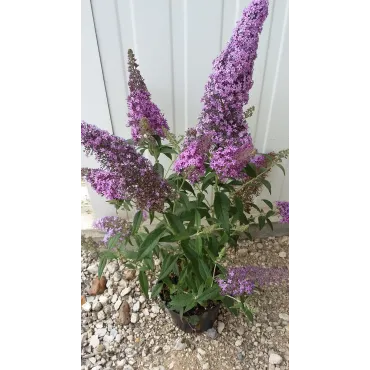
x,y
130,171
283,209
140,106
242,280
113,225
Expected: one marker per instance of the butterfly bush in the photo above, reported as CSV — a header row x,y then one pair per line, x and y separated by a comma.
x,y
137,177
141,107
113,225
227,91
243,280
283,209
105,183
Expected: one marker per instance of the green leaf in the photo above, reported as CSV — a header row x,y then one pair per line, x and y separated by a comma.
x,y
209,294
204,270
144,283
186,186
222,205
150,242
281,167
149,262
250,170
267,184
167,149
254,206
176,226
240,208
102,264
137,222
197,218
113,241
159,168
167,266
193,320
247,312
184,200
156,290
207,181
151,216
261,222
270,213
270,223
157,139
229,303
198,244
181,300
109,255
268,203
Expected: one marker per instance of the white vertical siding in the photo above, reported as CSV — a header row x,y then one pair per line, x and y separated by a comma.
x,y
175,43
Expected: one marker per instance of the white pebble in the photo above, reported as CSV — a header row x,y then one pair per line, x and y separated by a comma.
x,y
117,305
86,307
136,306
275,359
282,254
134,318
220,327
125,291
155,309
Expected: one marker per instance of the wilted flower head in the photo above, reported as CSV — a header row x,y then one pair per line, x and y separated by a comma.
x,y
283,209
113,225
141,107
135,175
242,280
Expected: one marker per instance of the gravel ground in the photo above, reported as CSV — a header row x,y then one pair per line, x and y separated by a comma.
x,y
149,340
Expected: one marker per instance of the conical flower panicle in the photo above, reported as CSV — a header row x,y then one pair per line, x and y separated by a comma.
x,y
133,173
226,92
141,107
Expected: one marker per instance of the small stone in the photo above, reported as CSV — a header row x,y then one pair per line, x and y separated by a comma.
x,y
282,254
157,349
97,368
101,315
141,299
83,337
240,330
130,352
112,267
284,316
94,341
136,307
146,312
108,338
113,332
238,343
205,366
93,269
114,298
134,318
145,352
117,305
240,356
97,306
275,359
180,344
103,300
271,367
242,252
220,327
259,245
128,367
101,332
86,307
117,276
201,351
129,274
126,291
211,333
118,338
100,348
155,309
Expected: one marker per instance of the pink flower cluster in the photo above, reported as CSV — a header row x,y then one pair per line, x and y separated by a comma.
x,y
226,92
133,173
140,105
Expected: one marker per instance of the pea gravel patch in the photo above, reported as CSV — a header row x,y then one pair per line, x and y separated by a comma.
x,y
149,340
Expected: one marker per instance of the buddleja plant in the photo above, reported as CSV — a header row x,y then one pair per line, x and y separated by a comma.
x,y
204,201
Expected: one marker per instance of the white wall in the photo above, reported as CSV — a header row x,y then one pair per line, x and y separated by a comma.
x,y
175,43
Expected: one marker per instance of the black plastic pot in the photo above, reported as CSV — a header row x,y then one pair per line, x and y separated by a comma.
x,y
206,320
